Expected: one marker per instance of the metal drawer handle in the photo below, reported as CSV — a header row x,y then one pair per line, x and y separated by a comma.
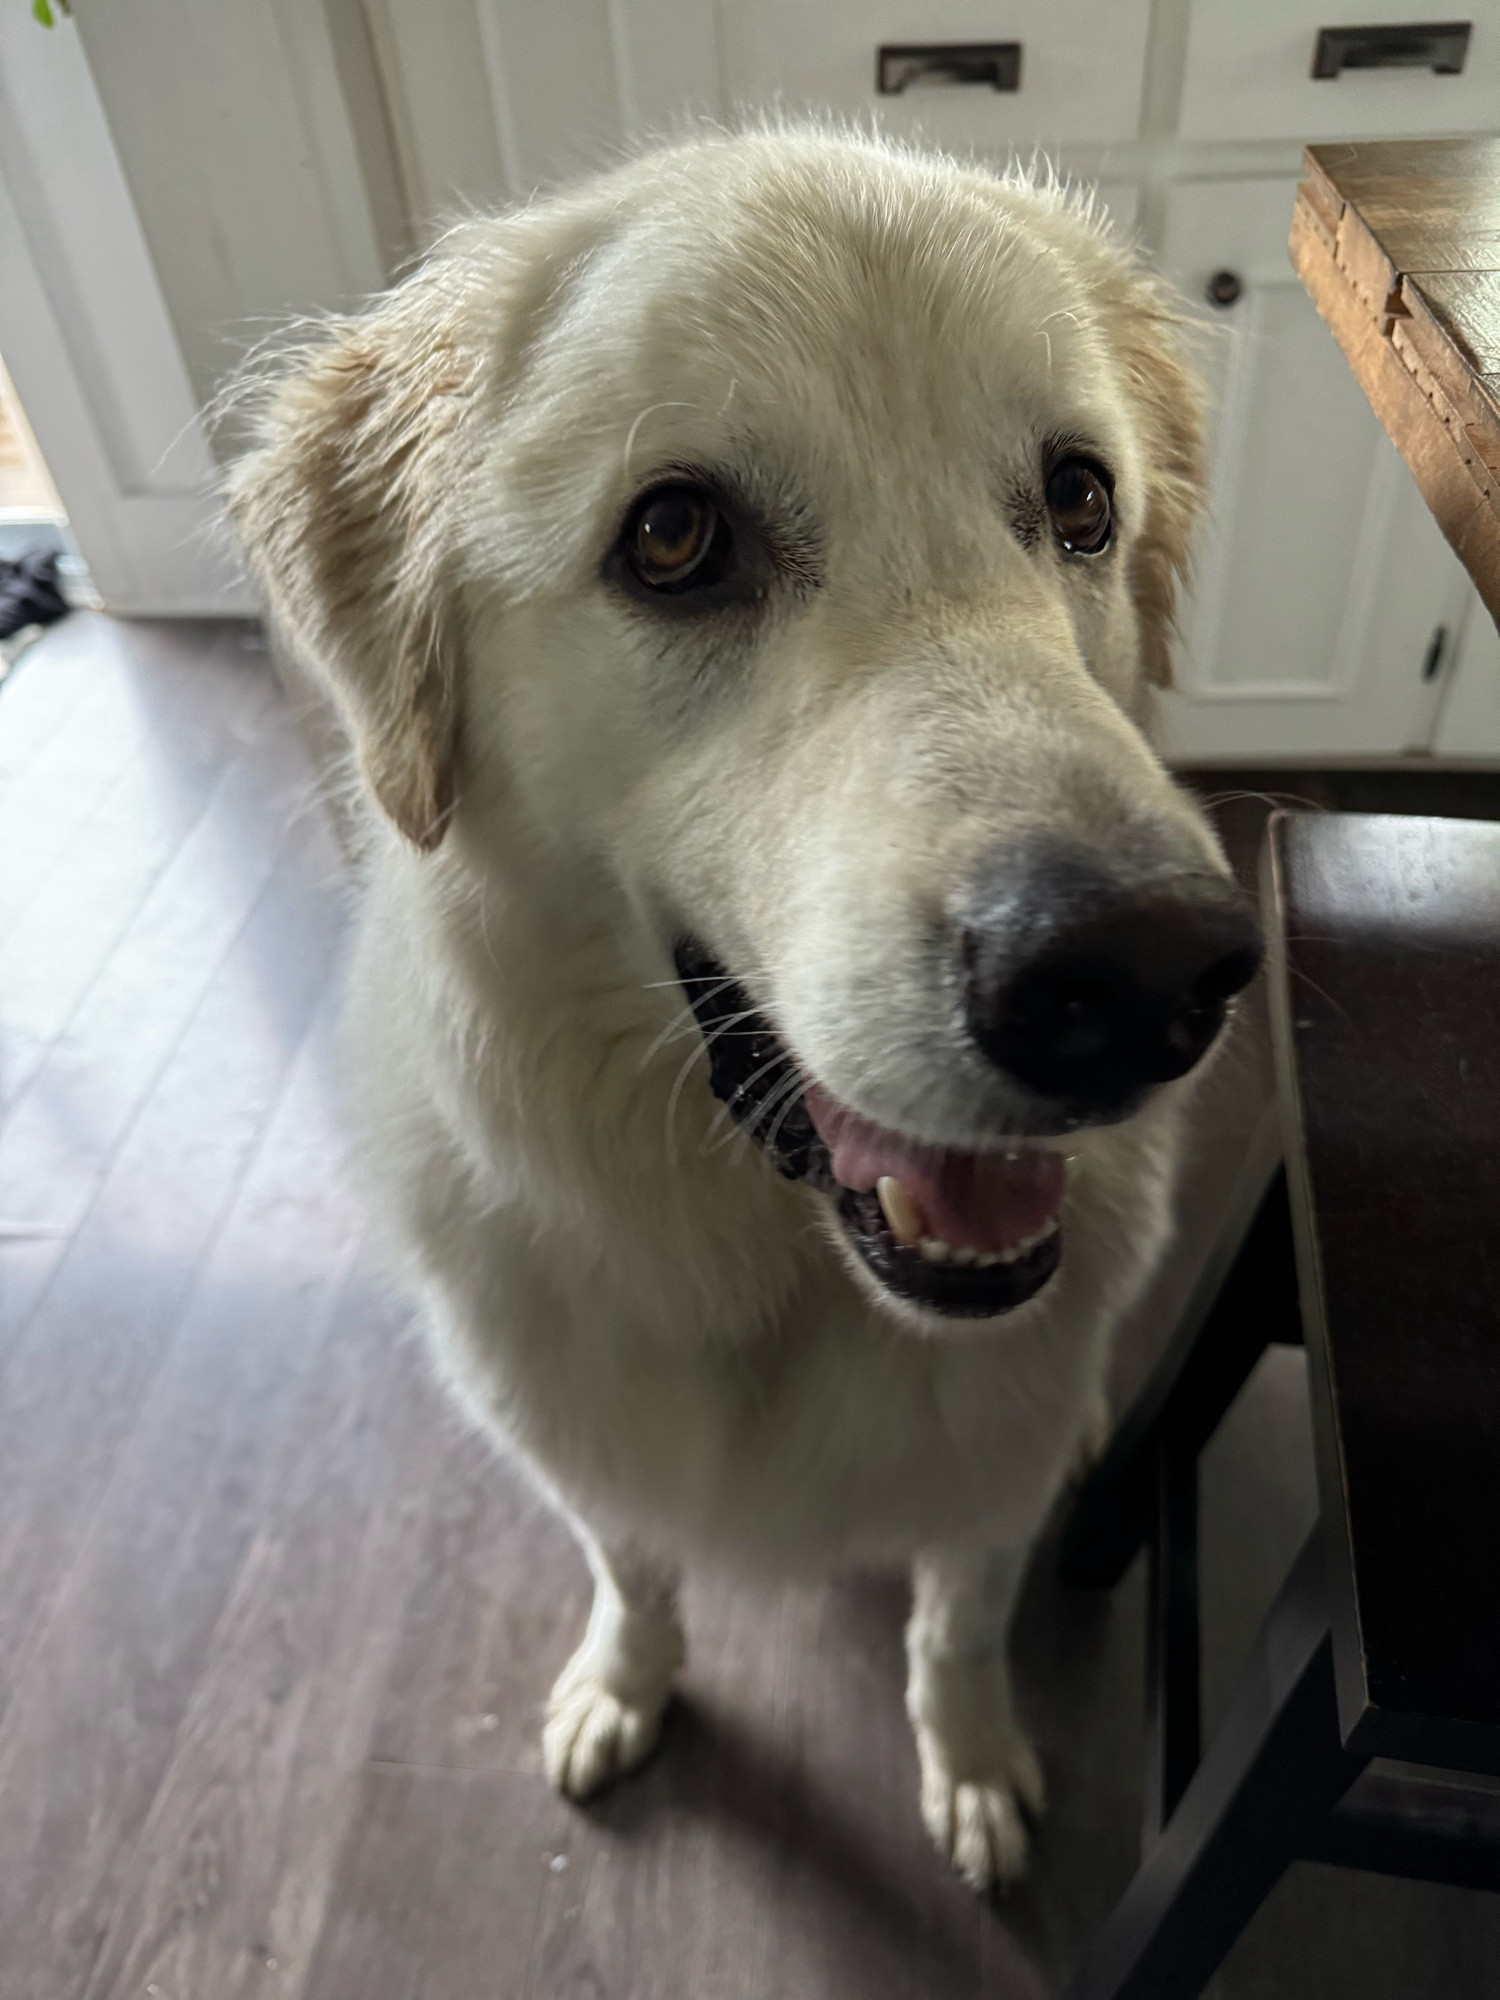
x,y
1440,46
899,65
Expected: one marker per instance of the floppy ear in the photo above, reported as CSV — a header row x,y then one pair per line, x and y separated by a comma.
x,y
341,506
1147,335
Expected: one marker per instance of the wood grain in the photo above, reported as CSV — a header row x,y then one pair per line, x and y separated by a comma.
x,y
234,1861
501,1600
131,1559
76,1375
1398,245
1430,435
97,874
92,1041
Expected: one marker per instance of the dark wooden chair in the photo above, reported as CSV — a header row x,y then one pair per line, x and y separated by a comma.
x,y
1365,1728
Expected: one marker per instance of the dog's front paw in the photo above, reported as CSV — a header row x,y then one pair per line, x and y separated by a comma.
x,y
977,1821
591,1735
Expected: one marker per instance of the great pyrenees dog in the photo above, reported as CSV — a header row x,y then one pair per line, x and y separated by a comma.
x,y
740,575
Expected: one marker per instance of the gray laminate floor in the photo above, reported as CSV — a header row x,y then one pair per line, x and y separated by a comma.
x,y
274,1632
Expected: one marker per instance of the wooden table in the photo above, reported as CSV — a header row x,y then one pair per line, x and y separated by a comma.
x,y
1399,245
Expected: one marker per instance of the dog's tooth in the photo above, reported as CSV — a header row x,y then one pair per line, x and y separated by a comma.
x,y
899,1210
935,1250
987,1259
1029,1243
962,1254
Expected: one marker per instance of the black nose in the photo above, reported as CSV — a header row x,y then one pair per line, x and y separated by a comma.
x,y
1088,986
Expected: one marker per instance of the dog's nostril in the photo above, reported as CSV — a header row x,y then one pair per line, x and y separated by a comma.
x,y
1089,990
1231,975
1075,1018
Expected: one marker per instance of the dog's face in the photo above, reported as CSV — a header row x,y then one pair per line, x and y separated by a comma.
x,y
781,532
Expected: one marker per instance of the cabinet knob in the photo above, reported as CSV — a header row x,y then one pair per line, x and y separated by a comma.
x,y
1224,288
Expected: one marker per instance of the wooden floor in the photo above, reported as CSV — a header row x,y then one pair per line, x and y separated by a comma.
x,y
274,1632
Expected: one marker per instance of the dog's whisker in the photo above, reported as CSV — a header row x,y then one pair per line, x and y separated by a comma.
x,y
782,1098
698,1054
727,1111
650,410
793,1096
707,978
723,1028
728,1028
684,1018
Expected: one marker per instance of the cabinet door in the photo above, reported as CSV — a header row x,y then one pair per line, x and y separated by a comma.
x,y
1322,582
1248,74
1082,66
1468,728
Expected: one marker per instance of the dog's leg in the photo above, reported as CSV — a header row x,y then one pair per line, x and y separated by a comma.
x,y
605,1711
978,1769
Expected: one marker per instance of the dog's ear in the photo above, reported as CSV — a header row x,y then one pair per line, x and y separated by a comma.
x,y
341,505
1168,396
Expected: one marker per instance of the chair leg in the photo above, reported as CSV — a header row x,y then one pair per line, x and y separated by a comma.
x,y
1245,1299
1173,1702
1272,1775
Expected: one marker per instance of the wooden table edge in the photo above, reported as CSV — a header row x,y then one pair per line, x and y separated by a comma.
x,y
1418,383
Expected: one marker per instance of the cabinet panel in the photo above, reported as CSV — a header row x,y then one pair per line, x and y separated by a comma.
x,y
1249,75
1469,724
1082,66
1322,578
491,99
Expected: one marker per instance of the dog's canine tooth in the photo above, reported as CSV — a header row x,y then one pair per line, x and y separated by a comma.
x,y
899,1210
935,1250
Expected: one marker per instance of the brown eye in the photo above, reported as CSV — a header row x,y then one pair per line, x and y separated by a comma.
x,y
1078,499
676,537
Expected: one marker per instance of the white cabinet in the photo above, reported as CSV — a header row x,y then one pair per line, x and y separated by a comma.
x,y
1082,65
1327,612
1328,619
1326,603
489,97
1249,74
1468,724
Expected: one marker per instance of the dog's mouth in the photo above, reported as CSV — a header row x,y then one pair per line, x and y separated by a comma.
x,y
964,1234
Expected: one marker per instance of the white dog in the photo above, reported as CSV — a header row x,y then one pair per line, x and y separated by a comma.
x,y
739,574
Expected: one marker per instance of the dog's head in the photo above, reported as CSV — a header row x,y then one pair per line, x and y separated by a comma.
x,y
777,536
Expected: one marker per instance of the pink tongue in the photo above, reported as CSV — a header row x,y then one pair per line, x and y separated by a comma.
x,y
976,1201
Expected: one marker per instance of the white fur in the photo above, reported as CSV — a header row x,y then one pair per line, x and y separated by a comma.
x,y
676,1341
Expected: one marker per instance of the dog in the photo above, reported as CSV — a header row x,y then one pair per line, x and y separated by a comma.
x,y
742,575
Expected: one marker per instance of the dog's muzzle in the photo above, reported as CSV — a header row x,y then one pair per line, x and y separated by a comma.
x,y
1087,982
809,1138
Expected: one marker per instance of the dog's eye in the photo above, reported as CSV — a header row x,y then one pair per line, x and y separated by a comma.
x,y
676,538
1078,499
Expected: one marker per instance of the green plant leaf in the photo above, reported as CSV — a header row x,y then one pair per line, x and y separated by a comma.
x,y
43,13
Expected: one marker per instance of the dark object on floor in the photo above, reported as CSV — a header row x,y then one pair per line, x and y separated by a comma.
x,y
30,593
1382,1643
